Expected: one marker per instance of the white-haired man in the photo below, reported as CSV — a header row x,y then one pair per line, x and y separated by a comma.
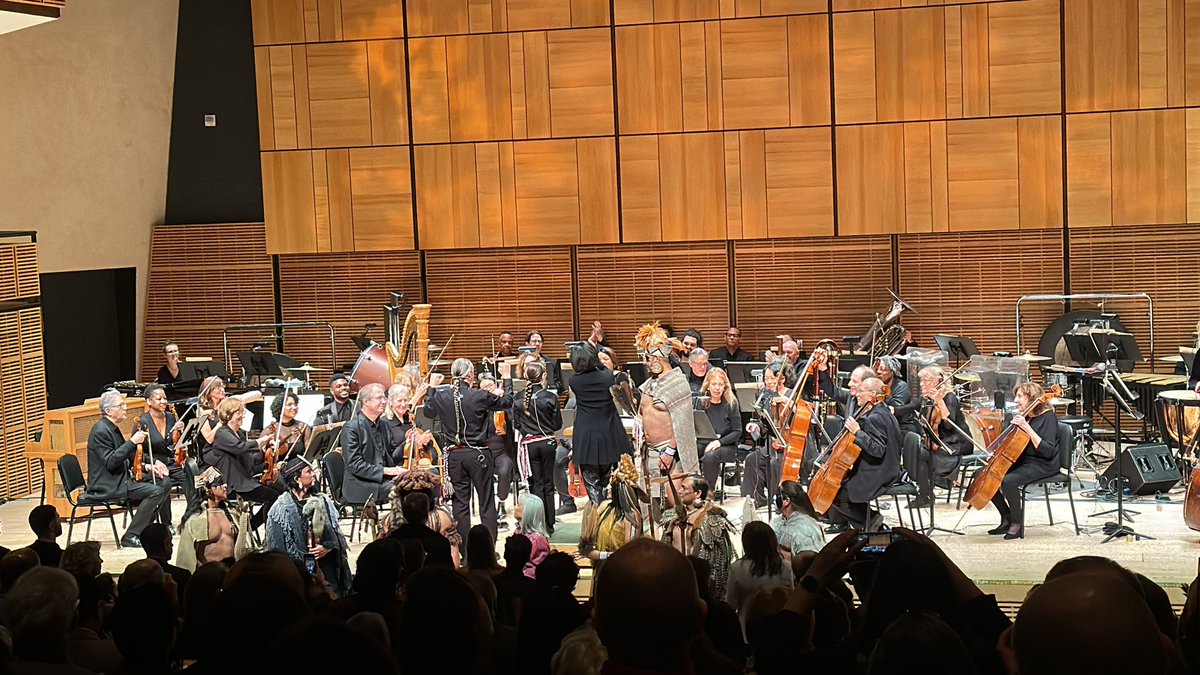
x,y
110,459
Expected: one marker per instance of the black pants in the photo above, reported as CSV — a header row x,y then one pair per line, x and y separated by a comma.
x,y
543,460
503,462
595,480
1008,497
265,496
925,467
562,457
761,480
845,512
149,499
471,468
710,464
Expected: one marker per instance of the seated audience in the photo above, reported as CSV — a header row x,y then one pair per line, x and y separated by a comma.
x,y
47,527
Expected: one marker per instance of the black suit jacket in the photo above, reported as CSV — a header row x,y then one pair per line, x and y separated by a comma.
x,y
599,436
879,464
437,546
109,455
365,446
235,457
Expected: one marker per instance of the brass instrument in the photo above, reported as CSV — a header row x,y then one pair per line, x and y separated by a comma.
x,y
886,335
405,338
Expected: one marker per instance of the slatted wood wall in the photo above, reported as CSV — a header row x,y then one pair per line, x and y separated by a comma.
x,y
22,367
203,278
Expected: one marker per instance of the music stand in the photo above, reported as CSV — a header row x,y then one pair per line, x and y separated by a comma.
x,y
322,442
741,372
1119,395
957,347
704,427
260,364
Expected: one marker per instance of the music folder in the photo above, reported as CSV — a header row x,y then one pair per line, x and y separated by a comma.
x,y
704,427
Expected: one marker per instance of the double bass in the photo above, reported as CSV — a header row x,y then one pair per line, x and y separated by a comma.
x,y
841,457
1002,454
795,421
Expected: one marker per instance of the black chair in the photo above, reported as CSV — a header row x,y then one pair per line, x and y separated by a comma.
x,y
1066,450
334,467
71,476
907,488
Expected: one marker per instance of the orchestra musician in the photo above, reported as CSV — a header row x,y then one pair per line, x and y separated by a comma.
x,y
725,415
504,347
696,369
109,459
537,417
500,443
764,466
212,393
161,425
732,351
937,462
341,408
398,421
1038,460
169,372
465,413
900,401
239,459
692,339
294,432
877,433
365,440
846,398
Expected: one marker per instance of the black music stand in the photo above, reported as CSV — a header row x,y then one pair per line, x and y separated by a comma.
x,y
260,364
322,442
741,372
637,372
703,426
932,498
1109,385
957,347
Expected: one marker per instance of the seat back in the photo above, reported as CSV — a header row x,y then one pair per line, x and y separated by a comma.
x,y
1066,446
834,424
334,465
71,476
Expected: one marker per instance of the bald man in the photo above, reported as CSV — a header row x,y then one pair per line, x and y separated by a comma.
x,y
648,610
878,434
1087,624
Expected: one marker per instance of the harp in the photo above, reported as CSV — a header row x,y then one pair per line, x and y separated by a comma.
x,y
407,339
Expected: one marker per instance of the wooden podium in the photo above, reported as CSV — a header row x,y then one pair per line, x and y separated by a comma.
x,y
66,430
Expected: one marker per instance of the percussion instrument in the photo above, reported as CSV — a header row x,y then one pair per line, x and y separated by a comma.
x,y
1032,357
1179,420
985,424
371,368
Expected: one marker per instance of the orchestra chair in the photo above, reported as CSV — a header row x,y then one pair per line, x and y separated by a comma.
x,y
333,465
739,462
906,488
70,476
968,466
1066,449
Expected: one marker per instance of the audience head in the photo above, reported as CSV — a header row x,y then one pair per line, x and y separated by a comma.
x,y
45,522
911,576
323,645
203,589
704,579
517,552
143,625
140,573
920,643
38,612
1085,623
648,588
436,596
761,548
14,564
156,541
763,604
82,558
415,508
264,594
481,550
531,514
377,572
414,559
558,571
793,498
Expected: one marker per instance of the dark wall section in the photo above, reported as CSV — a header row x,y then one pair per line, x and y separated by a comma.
x,y
90,332
214,175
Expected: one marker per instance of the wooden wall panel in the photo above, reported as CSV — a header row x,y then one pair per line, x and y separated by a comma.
x,y
459,283
1132,260
239,289
765,270
520,85
1024,73
22,365
624,287
533,193
347,290
1138,159
295,21
1192,150
1128,54
452,17
665,11
871,172
692,187
381,199
960,285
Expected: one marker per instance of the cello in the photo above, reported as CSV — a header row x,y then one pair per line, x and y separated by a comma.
x,y
1191,503
1002,454
795,423
841,456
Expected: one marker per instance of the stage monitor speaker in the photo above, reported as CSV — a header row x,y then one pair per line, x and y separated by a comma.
x,y
1150,469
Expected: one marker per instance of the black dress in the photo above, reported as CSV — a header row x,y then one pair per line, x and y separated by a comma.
x,y
599,437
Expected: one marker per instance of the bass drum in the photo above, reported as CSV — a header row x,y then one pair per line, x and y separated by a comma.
x,y
371,368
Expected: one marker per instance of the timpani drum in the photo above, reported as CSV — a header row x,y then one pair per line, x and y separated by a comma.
x,y
1179,419
371,368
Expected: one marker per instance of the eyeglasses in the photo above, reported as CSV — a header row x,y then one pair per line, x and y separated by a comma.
x,y
733,335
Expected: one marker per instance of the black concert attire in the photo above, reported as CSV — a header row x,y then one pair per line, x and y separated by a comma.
x,y
537,423
293,433
468,462
938,465
764,465
365,445
164,375
847,404
553,373
500,443
160,449
694,381
109,477
335,412
599,437
878,467
396,436
903,406
726,420
1035,462
722,353
239,459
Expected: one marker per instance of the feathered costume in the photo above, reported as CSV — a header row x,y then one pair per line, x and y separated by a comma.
x,y
672,389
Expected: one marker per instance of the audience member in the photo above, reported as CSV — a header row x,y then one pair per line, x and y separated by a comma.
x,y
47,527
82,559
550,614
531,524
157,543
38,612
760,567
512,586
89,645
144,627
415,508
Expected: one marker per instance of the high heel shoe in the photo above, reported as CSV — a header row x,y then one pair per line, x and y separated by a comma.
x,y
1019,533
1003,529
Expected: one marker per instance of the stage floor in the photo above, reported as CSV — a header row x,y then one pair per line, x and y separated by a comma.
x,y
1005,567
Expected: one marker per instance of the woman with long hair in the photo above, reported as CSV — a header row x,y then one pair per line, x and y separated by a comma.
x,y
537,418
599,438
725,415
760,567
531,524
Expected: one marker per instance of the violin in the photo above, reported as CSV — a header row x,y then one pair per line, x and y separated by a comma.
x,y
139,454
276,448
841,456
1003,453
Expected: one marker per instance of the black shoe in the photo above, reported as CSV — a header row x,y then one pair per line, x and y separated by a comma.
x,y
502,526
837,528
131,541
501,511
1019,534
563,510
1002,529
922,502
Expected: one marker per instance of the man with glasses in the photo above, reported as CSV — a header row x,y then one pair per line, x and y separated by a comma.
x,y
369,465
732,351
109,459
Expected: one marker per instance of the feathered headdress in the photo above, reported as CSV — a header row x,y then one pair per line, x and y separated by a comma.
x,y
652,339
625,472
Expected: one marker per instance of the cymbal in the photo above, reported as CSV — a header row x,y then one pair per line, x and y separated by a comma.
x,y
433,348
309,369
1174,358
1061,401
1032,357
967,377
1110,331
434,363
